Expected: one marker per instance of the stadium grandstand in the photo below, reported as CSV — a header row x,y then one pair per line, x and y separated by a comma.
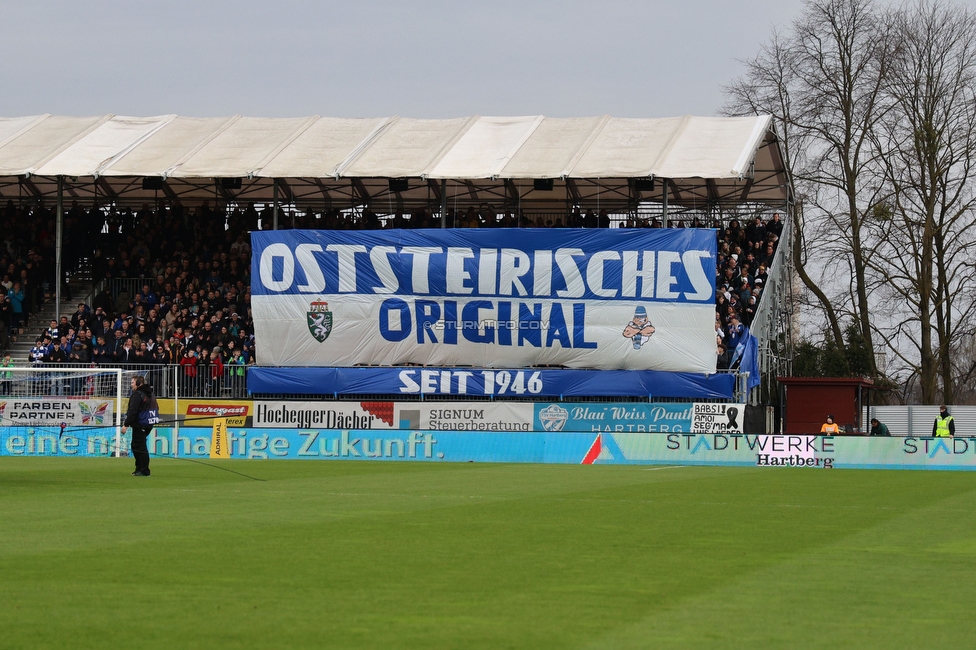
x,y
147,221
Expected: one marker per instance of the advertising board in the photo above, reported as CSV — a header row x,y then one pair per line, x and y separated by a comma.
x,y
199,412
54,411
671,449
435,416
324,415
630,417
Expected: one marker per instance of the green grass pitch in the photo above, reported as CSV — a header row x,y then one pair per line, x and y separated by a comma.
x,y
415,555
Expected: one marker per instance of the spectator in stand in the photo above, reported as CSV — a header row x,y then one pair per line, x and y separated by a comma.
x,y
64,326
81,314
761,274
37,353
189,365
56,354
102,352
149,297
756,231
142,354
236,372
28,290
724,358
6,317
6,375
166,355
177,347
126,354
81,349
216,372
16,297
749,310
735,332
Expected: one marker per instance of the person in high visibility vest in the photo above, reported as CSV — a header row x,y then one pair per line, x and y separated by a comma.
x,y
830,427
945,425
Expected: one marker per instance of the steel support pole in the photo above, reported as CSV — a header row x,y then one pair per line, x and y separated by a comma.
x,y
664,203
57,250
443,203
275,210
176,409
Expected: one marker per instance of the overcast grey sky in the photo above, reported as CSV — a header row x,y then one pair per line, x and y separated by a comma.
x,y
362,58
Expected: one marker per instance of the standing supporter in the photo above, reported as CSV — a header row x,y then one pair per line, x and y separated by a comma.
x,y
16,297
736,332
149,296
142,355
5,375
189,365
102,353
204,363
56,354
166,354
125,354
216,372
103,301
28,290
724,358
81,349
236,373
206,337
37,353
81,314
756,231
64,326
6,318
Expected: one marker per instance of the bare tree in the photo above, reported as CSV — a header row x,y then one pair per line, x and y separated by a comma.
x,y
877,106
929,141
823,83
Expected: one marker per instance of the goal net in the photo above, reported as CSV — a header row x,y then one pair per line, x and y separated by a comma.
x,y
62,411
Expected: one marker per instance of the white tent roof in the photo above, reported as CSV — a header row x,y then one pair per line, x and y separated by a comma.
x,y
732,154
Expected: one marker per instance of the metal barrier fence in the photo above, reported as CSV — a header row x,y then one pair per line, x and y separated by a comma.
x,y
168,381
175,381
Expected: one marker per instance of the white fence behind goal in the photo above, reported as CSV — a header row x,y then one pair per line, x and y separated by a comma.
x,y
63,411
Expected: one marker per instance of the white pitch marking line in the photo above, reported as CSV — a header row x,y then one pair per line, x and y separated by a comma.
x,y
654,469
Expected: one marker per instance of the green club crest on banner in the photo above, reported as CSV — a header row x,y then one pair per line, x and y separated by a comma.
x,y
319,320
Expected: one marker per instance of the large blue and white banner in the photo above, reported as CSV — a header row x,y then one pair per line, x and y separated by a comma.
x,y
490,298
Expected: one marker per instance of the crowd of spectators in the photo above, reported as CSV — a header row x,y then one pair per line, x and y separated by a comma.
x,y
189,302
192,267
742,272
26,263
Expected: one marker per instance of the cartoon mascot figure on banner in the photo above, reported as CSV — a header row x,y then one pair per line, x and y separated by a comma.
x,y
639,330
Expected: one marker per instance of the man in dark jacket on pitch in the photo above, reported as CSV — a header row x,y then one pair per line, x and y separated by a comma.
x,y
143,413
